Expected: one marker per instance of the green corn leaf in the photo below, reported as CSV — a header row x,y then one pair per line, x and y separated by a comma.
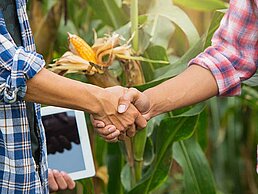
x,y
139,141
218,15
201,132
155,53
126,177
115,165
141,59
249,96
87,185
149,152
155,122
160,30
166,9
170,130
198,177
202,5
109,12
169,71
197,109
253,81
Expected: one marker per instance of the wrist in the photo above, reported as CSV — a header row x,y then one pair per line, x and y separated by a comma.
x,y
160,101
91,99
152,112
102,102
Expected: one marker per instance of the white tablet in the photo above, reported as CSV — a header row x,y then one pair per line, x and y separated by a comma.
x,y
68,144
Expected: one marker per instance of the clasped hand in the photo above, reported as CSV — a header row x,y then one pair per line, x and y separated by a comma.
x,y
124,111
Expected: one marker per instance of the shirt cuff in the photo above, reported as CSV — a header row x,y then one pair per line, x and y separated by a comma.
x,y
226,76
23,65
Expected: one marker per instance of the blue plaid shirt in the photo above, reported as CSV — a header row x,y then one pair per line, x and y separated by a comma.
x,y
18,171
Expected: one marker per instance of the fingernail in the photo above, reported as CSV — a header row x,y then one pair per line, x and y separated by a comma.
x,y
121,108
116,133
100,125
111,129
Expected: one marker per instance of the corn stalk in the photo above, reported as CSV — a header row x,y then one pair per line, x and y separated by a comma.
x,y
134,76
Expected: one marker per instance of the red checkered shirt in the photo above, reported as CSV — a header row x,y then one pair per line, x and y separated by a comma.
x,y
233,55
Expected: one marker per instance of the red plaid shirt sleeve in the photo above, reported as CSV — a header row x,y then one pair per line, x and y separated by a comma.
x,y
233,55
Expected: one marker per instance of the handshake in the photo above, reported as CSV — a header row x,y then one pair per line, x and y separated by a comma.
x,y
121,112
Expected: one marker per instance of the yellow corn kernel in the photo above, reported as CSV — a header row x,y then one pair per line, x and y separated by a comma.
x,y
78,46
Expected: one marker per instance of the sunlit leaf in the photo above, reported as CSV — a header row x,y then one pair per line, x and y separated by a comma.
x,y
142,59
203,5
165,8
126,177
160,29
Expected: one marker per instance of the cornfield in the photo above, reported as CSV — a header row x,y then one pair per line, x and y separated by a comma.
x,y
206,148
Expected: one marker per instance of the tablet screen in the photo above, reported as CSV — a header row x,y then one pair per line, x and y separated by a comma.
x,y
65,149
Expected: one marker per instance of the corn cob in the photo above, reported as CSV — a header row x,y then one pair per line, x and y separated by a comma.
x,y
78,46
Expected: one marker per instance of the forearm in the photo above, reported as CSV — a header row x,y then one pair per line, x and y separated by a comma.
x,y
51,89
194,85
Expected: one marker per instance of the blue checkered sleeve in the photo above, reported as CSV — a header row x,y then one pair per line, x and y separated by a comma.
x,y
16,66
18,172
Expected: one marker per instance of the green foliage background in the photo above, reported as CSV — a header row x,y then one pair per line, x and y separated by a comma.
x,y
206,148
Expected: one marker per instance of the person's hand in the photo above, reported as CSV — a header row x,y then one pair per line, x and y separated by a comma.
x,y
108,113
59,181
109,133
127,96
138,99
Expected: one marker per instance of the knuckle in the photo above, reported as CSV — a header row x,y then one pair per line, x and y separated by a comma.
x,y
104,132
134,91
131,123
121,128
135,114
118,87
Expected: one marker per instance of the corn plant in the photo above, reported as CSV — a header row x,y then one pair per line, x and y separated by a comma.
x,y
169,154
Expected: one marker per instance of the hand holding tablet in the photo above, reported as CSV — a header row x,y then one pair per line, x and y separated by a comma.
x,y
68,142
